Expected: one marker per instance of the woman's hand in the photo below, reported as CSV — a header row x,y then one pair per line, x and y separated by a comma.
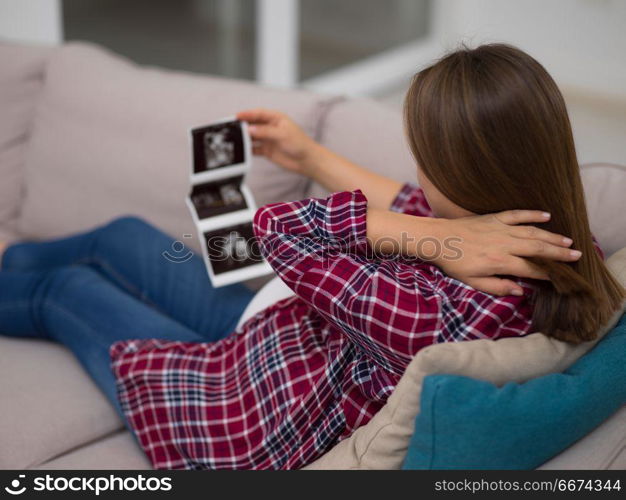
x,y
279,139
494,245
475,250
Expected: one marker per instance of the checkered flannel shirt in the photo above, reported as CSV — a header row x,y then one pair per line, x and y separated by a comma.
x,y
306,372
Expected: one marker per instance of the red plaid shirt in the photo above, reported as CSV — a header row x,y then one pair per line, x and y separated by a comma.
x,y
307,371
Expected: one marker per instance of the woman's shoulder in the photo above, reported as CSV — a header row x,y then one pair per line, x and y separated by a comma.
x,y
411,200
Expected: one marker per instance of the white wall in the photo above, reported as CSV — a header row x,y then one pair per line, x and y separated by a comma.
x,y
582,43
31,21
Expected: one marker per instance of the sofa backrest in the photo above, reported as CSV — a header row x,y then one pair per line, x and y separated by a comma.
x,y
104,137
110,138
605,193
21,81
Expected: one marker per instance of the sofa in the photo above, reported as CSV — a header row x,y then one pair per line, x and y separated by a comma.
x,y
86,136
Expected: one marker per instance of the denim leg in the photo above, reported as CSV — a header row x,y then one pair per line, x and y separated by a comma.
x,y
129,252
79,308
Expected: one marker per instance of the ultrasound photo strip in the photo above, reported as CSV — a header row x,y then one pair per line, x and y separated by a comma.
x,y
221,205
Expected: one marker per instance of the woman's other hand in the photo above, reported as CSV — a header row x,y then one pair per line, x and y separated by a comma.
x,y
476,250
496,245
278,138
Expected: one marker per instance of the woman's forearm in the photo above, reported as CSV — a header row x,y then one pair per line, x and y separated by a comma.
x,y
336,173
281,141
395,233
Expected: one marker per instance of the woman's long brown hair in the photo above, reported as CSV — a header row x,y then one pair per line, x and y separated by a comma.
x,y
489,128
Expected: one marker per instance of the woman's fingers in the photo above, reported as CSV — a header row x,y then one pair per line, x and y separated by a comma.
x,y
538,248
535,233
496,286
264,132
534,241
512,217
523,268
257,115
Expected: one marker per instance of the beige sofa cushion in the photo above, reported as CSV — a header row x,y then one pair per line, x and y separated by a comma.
x,y
49,404
21,81
383,442
111,138
117,451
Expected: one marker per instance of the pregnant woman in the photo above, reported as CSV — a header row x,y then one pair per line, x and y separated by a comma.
x,y
379,270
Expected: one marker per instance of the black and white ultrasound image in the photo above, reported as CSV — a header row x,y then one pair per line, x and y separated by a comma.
x,y
218,197
232,248
217,146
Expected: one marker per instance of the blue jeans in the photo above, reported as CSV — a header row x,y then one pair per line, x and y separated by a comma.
x,y
113,283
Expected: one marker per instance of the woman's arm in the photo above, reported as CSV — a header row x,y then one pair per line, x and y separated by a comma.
x,y
278,138
337,173
319,249
475,250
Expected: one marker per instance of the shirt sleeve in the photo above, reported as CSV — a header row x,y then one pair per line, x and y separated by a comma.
x,y
598,248
318,247
411,200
